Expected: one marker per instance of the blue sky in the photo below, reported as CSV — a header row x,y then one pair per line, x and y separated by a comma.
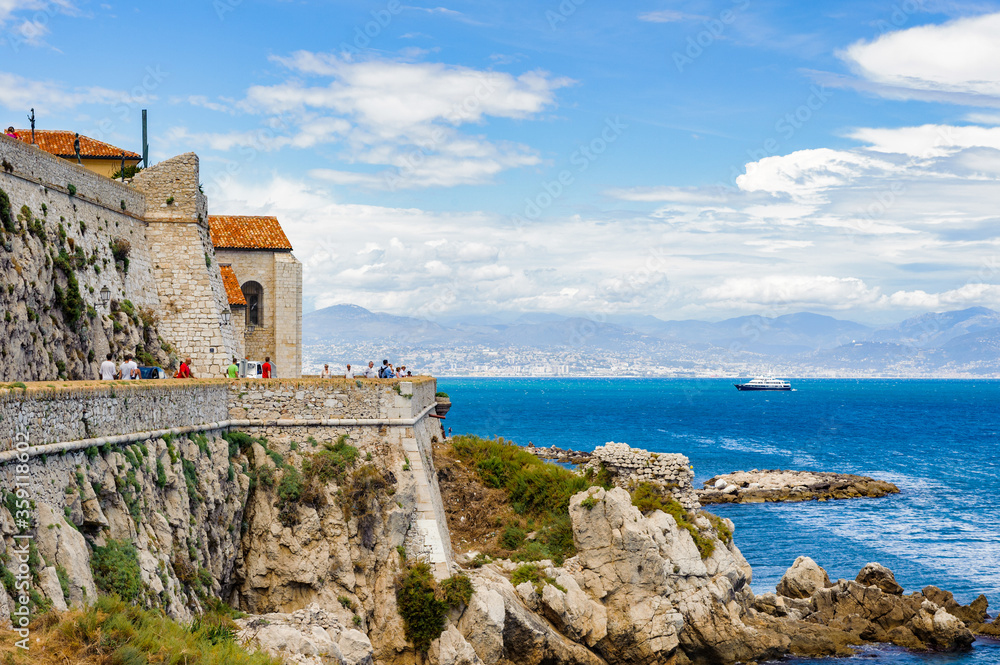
x,y
682,159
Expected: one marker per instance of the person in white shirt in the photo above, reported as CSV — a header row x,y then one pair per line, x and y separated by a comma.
x,y
129,369
371,372
108,369
325,374
349,374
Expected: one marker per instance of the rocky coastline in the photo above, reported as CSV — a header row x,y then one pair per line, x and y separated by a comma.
x,y
760,486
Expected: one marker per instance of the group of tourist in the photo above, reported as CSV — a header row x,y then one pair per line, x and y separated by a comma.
x,y
128,371
386,371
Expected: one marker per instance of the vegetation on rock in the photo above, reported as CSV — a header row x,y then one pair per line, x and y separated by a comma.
x,y
423,604
116,570
116,631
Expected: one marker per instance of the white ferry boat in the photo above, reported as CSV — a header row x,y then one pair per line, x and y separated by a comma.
x,y
764,383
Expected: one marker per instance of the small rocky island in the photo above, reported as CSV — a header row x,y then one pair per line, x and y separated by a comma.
x,y
777,485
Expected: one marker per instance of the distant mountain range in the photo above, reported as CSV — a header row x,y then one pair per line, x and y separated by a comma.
x,y
950,342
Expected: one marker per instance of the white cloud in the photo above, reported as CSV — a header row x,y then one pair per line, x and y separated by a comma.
x,y
404,118
20,93
928,140
961,57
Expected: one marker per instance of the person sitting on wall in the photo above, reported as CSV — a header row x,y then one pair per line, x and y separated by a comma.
x,y
370,371
265,370
233,371
349,374
12,134
325,374
129,369
184,371
108,369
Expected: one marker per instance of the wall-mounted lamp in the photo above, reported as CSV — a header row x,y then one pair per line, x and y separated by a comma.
x,y
227,316
105,296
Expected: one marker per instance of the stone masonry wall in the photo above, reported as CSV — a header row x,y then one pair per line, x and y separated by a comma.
x,y
288,310
37,339
75,411
55,173
187,272
634,465
280,276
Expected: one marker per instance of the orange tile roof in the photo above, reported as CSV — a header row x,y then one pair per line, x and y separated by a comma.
x,y
60,143
233,291
246,232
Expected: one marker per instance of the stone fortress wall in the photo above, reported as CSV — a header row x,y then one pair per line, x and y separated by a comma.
x,y
630,465
37,178
187,271
54,173
387,418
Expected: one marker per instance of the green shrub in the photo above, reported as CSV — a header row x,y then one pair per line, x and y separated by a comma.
x,y
422,612
648,497
512,537
116,570
161,474
6,218
440,394
239,442
457,590
331,463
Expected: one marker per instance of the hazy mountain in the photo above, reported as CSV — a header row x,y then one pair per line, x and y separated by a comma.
x,y
965,340
935,329
353,324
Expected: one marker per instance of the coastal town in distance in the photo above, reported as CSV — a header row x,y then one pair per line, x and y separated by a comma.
x,y
961,344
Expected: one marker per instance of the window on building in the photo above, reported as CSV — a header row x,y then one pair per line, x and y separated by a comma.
x,y
254,293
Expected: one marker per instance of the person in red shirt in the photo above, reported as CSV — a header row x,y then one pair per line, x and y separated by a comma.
x,y
265,370
184,372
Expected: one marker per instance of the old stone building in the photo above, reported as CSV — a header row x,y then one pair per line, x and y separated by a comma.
x,y
257,254
145,274
97,156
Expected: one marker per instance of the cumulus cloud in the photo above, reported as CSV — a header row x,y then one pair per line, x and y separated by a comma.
x,y
960,58
406,119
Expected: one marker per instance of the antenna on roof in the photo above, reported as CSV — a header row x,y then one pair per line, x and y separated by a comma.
x,y
145,144
32,119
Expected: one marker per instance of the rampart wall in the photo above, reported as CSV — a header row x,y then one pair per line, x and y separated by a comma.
x,y
41,168
388,418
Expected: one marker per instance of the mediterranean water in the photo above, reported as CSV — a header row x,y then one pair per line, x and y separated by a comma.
x,y
935,439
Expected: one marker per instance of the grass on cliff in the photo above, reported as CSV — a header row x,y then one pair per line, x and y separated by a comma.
x,y
507,502
648,497
113,631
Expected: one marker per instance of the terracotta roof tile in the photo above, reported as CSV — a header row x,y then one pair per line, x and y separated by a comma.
x,y
246,232
60,143
233,291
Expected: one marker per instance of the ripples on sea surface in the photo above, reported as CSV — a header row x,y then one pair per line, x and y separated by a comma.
x,y
935,439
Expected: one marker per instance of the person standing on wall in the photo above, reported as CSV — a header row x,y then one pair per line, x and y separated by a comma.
x,y
348,374
108,369
129,369
233,370
371,372
325,374
265,370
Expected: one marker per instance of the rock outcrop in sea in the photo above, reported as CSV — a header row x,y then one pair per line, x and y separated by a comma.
x,y
778,485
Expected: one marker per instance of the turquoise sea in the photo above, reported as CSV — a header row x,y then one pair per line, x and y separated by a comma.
x,y
936,439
